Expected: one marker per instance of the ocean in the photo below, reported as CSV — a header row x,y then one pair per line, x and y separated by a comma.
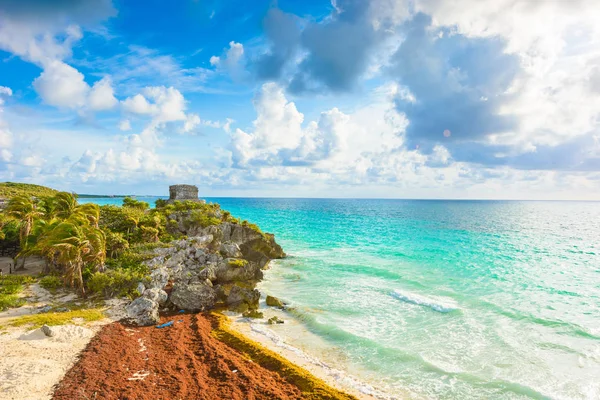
x,y
441,299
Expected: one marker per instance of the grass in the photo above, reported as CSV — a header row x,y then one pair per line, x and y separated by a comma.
x,y
311,387
10,301
10,287
51,283
53,319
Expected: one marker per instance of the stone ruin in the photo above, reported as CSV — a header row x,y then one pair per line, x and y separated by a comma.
x,y
183,193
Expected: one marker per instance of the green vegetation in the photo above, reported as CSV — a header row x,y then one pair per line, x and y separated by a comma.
x,y
56,318
237,262
95,249
51,283
10,301
116,282
9,190
10,287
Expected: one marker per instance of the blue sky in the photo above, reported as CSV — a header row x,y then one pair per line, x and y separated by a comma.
x,y
346,98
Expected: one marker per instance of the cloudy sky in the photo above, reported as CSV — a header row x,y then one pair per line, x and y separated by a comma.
x,y
344,98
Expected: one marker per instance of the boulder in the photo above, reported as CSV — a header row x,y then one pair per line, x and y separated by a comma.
x,y
141,288
157,295
142,311
253,314
241,298
193,297
208,273
274,320
230,250
274,302
48,331
159,278
226,271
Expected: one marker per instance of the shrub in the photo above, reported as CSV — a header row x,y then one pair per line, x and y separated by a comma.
x,y
51,282
239,263
10,301
116,244
133,203
116,283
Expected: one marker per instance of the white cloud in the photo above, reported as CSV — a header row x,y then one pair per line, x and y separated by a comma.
x,y
6,136
167,104
191,122
102,95
62,86
138,105
231,61
125,125
4,91
334,142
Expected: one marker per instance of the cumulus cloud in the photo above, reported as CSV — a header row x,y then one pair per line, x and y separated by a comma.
x,y
102,95
44,34
61,85
161,103
281,137
231,61
6,136
459,84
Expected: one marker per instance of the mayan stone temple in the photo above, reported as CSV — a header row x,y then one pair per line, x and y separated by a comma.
x,y
183,192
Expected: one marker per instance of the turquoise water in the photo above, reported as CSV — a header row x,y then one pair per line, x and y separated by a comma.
x,y
445,299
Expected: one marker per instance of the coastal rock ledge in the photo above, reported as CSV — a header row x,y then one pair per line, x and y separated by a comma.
x,y
216,265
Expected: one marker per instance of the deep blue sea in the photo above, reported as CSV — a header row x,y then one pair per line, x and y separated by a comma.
x,y
444,299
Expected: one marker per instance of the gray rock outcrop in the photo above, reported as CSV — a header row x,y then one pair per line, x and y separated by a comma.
x,y
142,311
216,264
193,297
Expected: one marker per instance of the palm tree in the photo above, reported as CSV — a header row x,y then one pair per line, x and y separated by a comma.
x,y
76,246
65,206
26,210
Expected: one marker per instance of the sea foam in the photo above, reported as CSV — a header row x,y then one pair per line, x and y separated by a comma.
x,y
439,305
336,374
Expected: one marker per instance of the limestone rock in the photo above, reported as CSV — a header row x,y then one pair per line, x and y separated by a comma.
x,y
274,320
274,302
48,331
230,250
142,311
193,297
227,272
253,314
157,295
240,297
141,288
159,278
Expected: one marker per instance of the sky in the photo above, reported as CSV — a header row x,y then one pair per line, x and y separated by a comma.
x,y
481,99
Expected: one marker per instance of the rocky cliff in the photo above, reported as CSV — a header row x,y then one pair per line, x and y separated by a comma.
x,y
217,265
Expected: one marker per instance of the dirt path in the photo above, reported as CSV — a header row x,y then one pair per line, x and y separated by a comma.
x,y
183,361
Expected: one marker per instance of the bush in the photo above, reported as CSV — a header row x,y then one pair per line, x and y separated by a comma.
x,y
133,203
130,259
51,282
13,284
239,263
203,219
116,283
10,301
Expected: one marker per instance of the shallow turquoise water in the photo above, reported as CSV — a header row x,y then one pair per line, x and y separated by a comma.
x,y
445,299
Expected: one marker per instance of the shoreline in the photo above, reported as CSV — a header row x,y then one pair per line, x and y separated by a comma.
x,y
260,332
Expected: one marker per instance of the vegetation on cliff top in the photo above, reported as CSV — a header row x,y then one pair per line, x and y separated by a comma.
x,y
99,249
9,190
